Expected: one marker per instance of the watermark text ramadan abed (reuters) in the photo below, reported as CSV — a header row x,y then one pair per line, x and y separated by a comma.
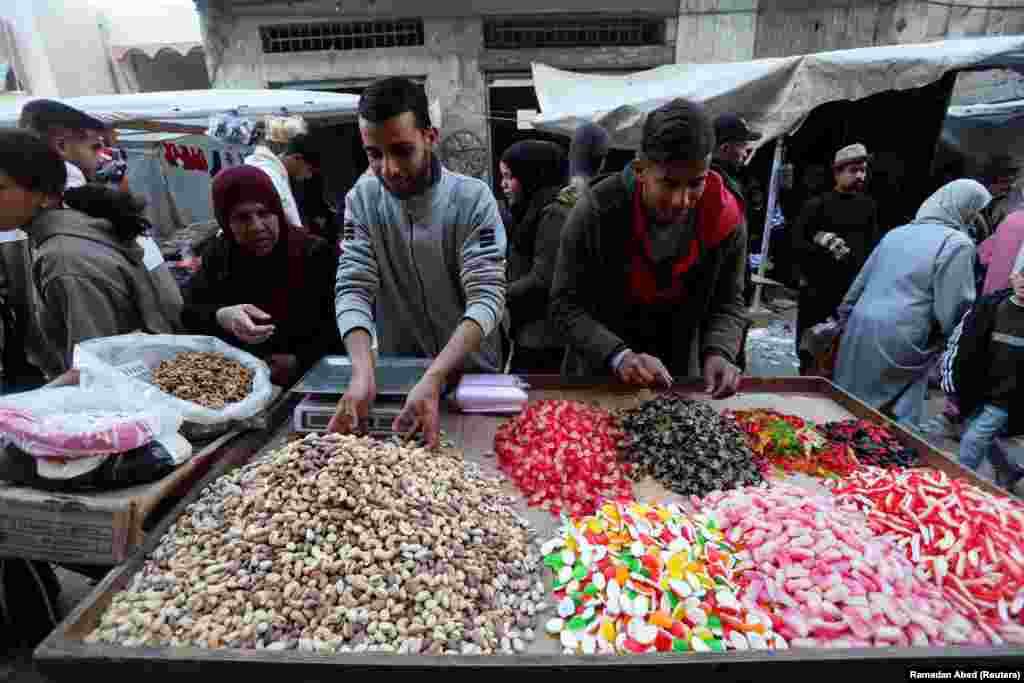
x,y
958,674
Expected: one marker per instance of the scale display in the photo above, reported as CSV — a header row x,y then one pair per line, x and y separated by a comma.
x,y
396,376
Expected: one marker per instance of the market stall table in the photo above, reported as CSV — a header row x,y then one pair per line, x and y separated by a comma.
x,y
104,528
66,654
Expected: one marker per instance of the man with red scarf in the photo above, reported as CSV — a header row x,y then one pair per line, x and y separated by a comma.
x,y
649,281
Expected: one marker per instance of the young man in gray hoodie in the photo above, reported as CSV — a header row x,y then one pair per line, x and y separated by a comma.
x,y
422,270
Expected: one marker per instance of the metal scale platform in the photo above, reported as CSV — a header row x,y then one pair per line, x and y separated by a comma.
x,y
326,382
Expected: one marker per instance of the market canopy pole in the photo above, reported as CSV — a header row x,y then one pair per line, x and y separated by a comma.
x,y
773,200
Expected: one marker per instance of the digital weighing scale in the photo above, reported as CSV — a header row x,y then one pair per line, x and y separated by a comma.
x,y
326,382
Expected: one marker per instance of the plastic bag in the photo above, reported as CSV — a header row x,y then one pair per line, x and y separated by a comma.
x,y
822,342
281,129
129,360
76,422
232,129
141,465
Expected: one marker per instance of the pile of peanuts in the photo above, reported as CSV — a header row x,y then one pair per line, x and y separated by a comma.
x,y
339,544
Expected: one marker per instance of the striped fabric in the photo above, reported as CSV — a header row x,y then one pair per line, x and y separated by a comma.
x,y
949,357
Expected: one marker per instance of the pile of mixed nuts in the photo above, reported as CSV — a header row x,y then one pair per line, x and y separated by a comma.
x,y
340,544
207,379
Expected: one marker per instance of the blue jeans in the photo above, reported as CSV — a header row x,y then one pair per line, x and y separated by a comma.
x,y
984,426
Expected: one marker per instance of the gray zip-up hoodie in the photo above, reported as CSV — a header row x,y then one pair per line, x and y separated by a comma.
x,y
412,270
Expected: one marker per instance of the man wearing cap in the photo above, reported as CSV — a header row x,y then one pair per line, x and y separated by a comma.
x,y
295,161
832,239
75,135
734,148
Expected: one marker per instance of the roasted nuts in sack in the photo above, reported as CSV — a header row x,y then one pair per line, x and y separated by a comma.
x,y
207,379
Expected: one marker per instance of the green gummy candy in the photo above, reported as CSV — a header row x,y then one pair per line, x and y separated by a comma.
x,y
673,599
577,624
680,645
554,560
579,572
716,645
591,590
714,621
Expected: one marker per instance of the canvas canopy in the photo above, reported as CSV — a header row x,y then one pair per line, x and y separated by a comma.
x,y
170,161
187,111
775,95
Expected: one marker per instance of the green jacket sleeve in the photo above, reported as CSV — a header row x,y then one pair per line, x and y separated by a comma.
x,y
571,287
727,321
77,309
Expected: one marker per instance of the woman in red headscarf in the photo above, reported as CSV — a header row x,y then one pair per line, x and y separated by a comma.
x,y
264,286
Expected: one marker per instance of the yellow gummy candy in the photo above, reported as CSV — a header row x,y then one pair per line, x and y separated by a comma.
x,y
608,630
676,564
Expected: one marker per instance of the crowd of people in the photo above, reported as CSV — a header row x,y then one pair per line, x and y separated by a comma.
x,y
638,273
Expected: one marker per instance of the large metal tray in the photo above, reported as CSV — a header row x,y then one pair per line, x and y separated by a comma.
x,y
64,655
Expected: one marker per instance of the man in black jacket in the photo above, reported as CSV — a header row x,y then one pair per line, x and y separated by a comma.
x,y
982,368
832,239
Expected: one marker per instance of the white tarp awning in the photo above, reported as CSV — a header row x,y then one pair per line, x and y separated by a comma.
x,y
194,107
775,95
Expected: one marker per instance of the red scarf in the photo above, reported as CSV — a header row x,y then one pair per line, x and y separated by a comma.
x,y
718,215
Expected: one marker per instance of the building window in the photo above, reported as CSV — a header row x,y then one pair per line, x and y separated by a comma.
x,y
507,34
333,35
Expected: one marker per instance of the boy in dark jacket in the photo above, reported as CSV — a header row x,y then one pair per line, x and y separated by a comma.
x,y
982,368
649,279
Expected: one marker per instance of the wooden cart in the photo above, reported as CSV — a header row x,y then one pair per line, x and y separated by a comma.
x,y
65,656
104,528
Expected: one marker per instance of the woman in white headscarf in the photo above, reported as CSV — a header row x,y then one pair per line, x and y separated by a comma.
x,y
908,297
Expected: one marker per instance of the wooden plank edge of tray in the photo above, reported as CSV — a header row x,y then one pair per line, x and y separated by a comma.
x,y
232,453
64,647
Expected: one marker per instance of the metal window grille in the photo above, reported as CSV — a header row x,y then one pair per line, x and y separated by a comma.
x,y
505,34
332,35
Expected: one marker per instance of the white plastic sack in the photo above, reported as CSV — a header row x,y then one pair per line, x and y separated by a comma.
x,y
78,422
131,358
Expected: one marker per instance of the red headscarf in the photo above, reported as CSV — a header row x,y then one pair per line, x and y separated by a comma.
x,y
239,184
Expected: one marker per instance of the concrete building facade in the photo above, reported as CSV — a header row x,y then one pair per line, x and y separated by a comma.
x,y
473,57
56,48
739,30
